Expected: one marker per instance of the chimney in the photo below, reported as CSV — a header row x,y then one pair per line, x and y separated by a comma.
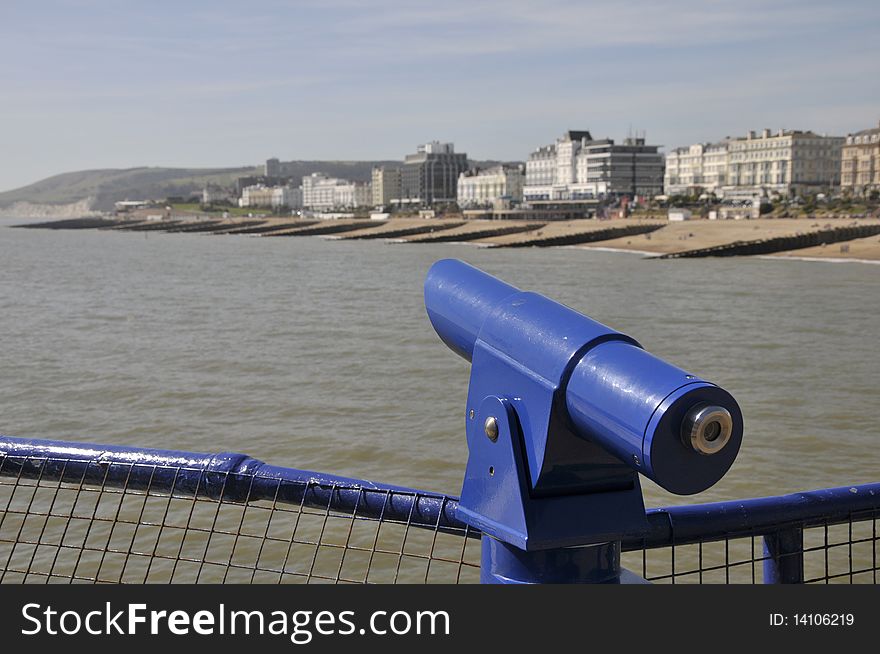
x,y
765,133
751,134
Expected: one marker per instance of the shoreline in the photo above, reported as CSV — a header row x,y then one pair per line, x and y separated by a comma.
x,y
788,257
599,248
844,240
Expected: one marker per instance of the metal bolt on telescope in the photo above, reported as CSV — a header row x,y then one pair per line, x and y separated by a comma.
x,y
562,414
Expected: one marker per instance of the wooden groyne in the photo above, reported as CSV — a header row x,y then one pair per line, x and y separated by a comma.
x,y
403,231
779,243
204,226
226,226
474,235
323,229
262,226
73,223
150,226
577,238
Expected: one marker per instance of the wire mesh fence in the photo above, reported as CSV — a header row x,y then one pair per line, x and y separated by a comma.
x,y
89,531
844,553
93,519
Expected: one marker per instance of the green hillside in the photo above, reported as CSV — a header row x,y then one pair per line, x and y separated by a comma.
x,y
147,183
110,185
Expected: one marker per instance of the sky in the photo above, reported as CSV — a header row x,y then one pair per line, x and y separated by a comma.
x,y
115,84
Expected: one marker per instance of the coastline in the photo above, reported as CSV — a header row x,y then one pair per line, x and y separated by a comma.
x,y
838,240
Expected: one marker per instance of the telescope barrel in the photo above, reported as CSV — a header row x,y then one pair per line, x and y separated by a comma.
x,y
459,298
664,422
680,431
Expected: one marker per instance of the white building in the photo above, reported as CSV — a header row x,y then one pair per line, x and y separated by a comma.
x,y
322,193
696,169
481,188
287,196
212,193
860,161
276,197
784,162
579,167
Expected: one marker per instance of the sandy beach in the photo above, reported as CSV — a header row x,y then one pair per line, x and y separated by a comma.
x,y
695,234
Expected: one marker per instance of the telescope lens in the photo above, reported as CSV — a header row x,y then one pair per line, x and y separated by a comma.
x,y
707,429
712,431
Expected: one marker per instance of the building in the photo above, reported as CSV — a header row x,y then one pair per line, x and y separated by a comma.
x,y
276,197
385,186
860,161
579,167
482,188
128,205
679,215
323,193
696,169
631,168
737,210
276,169
430,176
787,162
287,196
212,194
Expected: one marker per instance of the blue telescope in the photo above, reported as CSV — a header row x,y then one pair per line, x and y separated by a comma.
x,y
563,412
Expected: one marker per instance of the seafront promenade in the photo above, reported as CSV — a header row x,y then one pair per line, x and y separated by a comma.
x,y
824,238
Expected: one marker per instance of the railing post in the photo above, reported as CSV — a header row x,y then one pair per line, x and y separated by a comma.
x,y
784,556
502,563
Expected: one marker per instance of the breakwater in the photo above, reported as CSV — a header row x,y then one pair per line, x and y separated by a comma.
x,y
72,223
403,231
588,236
456,236
328,227
150,226
261,227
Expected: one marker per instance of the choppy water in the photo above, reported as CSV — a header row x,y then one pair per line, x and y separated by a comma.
x,y
318,354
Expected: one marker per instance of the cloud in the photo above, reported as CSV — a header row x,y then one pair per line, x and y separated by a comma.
x,y
342,78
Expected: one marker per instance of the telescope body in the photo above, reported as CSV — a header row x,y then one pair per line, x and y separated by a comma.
x,y
590,402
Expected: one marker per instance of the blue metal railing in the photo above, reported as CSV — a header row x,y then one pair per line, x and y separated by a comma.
x,y
227,476
236,479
